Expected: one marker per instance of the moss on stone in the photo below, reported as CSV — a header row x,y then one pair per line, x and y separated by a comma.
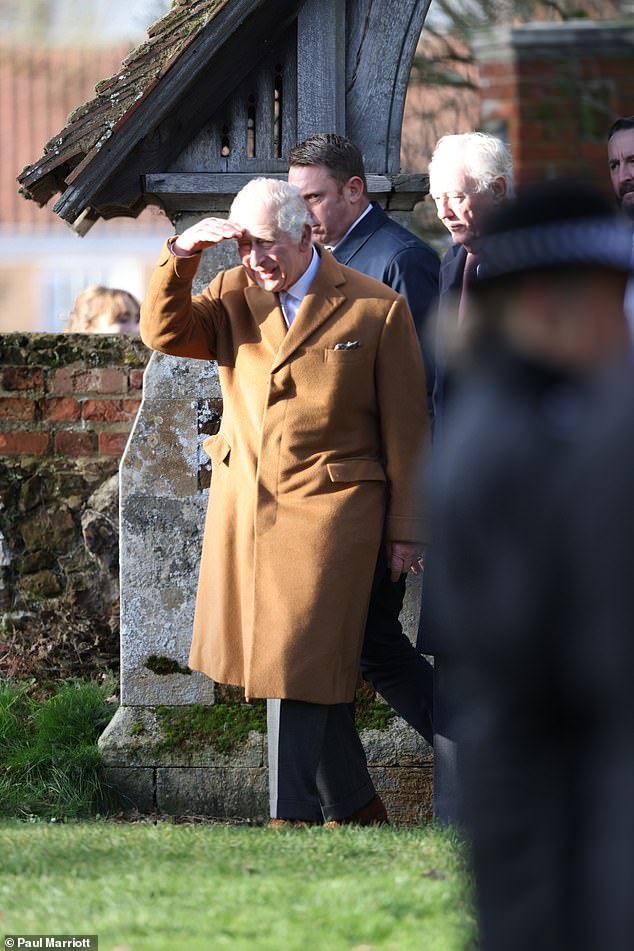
x,y
372,714
225,726
53,350
138,728
165,665
135,360
222,726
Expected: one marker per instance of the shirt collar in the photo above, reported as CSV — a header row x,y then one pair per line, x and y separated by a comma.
x,y
299,289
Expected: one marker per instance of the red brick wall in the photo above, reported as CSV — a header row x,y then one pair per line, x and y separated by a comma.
x,y
40,87
54,400
554,90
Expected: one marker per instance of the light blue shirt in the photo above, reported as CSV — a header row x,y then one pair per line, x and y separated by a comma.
x,y
291,299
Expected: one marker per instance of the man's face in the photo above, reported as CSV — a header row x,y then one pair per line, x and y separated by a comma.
x,y
621,164
459,206
334,207
274,260
125,322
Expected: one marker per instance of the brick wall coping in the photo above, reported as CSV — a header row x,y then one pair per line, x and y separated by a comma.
x,y
60,349
546,40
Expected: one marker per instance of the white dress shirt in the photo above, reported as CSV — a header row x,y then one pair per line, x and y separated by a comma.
x,y
291,299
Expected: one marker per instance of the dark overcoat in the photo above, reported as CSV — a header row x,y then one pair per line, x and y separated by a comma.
x,y
600,664
449,289
498,592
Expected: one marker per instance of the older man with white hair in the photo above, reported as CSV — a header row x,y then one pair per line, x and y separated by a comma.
x,y
314,466
469,175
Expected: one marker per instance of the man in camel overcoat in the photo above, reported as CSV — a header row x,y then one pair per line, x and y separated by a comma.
x,y
315,464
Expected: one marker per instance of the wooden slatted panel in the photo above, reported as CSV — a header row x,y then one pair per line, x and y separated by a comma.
x,y
321,68
289,94
263,89
237,125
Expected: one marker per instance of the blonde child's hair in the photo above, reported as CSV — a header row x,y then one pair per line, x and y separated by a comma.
x,y
95,301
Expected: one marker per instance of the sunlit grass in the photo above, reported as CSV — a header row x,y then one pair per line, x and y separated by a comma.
x,y
49,761
154,887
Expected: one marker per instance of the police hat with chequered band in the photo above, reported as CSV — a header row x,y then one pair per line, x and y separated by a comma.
x,y
555,225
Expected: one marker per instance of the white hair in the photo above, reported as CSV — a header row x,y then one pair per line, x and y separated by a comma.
x,y
482,157
289,210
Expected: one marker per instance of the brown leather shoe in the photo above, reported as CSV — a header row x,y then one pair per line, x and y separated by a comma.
x,y
373,813
290,823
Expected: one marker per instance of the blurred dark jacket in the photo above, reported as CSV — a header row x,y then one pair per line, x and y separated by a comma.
x,y
600,669
496,606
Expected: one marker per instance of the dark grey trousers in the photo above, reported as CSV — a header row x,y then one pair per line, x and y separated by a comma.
x,y
389,661
317,765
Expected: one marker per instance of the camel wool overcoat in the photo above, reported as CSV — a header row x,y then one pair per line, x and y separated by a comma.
x,y
317,459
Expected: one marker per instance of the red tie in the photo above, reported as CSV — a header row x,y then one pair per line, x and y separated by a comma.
x,y
468,277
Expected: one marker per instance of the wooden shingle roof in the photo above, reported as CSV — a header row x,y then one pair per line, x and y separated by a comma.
x,y
219,91
91,125
146,113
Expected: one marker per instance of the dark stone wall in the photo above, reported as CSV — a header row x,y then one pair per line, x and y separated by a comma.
x,y
67,404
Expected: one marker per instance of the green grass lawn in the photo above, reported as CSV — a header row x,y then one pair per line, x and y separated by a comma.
x,y
172,887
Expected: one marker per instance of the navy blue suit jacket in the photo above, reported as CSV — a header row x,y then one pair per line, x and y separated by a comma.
x,y
383,249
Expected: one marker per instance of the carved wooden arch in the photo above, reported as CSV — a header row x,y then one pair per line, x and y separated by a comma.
x,y
381,41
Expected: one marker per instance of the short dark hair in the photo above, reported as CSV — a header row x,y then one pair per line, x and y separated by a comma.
x,y
335,152
624,122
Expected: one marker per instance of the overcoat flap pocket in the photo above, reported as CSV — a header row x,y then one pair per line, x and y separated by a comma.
x,y
356,470
217,448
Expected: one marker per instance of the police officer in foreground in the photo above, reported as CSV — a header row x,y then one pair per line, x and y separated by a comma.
x,y
545,318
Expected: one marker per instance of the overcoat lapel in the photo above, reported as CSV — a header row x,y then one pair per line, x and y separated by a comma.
x,y
452,268
322,300
267,312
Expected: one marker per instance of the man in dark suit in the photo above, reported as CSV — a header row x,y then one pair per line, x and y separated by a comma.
x,y
545,316
328,169
621,166
469,175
